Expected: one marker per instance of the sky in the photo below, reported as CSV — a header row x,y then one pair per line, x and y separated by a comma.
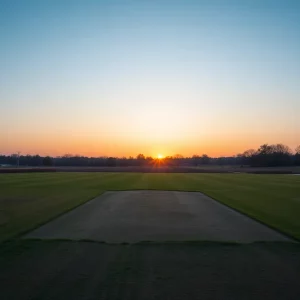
x,y
118,78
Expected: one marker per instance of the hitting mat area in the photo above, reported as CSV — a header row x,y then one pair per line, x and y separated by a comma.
x,y
158,216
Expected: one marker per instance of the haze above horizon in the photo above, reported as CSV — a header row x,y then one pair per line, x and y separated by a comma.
x,y
126,77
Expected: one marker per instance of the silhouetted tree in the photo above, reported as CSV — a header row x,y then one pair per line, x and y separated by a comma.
x,y
266,155
297,156
196,160
149,160
272,155
221,161
204,159
247,157
141,159
47,161
177,159
111,161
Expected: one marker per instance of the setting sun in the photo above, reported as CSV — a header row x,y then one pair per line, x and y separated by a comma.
x,y
160,156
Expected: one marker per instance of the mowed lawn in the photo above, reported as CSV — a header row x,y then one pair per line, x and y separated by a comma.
x,y
28,200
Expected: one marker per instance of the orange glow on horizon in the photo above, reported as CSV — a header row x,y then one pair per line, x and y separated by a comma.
x,y
89,144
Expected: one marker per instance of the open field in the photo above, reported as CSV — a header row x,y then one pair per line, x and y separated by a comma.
x,y
83,270
160,169
188,268
28,200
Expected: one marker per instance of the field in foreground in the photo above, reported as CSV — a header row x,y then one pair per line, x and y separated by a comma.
x,y
57,269
27,200
84,270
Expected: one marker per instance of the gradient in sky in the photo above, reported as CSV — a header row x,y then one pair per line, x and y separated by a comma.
x,y
126,77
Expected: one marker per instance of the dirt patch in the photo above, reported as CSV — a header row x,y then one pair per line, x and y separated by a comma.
x,y
133,216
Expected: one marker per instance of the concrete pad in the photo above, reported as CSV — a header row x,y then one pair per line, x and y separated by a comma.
x,y
133,216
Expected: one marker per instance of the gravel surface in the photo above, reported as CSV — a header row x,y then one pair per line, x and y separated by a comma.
x,y
133,216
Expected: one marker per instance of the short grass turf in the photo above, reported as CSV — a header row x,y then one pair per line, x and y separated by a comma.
x,y
28,200
87,270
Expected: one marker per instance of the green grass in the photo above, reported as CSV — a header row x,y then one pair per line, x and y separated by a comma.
x,y
28,200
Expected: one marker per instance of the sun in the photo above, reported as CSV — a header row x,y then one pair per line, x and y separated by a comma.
x,y
160,156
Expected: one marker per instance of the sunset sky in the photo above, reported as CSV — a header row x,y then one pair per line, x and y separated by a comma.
x,y
126,77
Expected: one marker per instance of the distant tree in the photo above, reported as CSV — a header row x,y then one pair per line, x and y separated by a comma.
x,y
221,161
280,148
140,157
272,155
177,159
204,159
196,160
15,157
178,156
239,159
265,149
249,153
122,161
247,157
149,160
169,161
47,161
111,161
266,155
297,156
281,155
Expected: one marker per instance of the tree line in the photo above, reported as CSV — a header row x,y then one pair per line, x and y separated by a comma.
x,y
270,156
265,156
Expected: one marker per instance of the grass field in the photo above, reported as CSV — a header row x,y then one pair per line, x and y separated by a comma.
x,y
27,200
81,270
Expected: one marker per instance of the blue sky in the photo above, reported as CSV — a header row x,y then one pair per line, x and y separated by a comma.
x,y
121,77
